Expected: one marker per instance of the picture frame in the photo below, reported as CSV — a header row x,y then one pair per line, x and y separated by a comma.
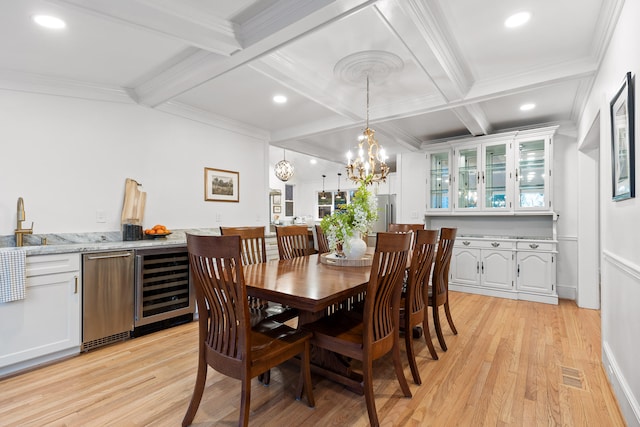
x,y
277,209
221,185
277,199
623,141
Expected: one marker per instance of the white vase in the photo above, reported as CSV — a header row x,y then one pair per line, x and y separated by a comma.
x,y
355,248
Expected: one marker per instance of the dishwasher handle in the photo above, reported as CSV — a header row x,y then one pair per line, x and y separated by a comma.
x,y
120,255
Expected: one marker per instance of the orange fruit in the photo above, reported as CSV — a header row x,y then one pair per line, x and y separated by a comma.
x,y
152,231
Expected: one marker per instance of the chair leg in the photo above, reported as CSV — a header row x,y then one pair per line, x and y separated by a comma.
x,y
436,323
305,377
198,390
427,337
449,319
398,365
408,341
367,385
245,401
265,377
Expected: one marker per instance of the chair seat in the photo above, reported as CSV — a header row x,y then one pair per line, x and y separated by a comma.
x,y
270,338
340,332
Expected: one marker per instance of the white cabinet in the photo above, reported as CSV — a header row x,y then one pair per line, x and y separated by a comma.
x,y
483,264
483,180
535,269
533,174
507,268
46,324
508,173
439,180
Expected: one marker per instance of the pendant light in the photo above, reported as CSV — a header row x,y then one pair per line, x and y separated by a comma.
x,y
284,169
324,195
338,196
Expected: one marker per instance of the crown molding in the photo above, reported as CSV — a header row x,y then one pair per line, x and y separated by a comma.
x,y
207,118
37,83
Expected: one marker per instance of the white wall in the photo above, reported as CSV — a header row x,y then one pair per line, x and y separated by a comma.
x,y
69,158
565,180
619,229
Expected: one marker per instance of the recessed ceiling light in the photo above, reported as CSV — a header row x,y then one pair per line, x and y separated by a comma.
x,y
313,161
279,99
527,107
49,21
517,19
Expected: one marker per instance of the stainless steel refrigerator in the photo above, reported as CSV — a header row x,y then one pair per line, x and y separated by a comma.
x,y
386,212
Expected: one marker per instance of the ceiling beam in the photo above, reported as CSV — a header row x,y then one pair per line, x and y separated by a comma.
x,y
176,21
212,66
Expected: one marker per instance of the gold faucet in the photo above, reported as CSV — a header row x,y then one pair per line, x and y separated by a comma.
x,y
20,232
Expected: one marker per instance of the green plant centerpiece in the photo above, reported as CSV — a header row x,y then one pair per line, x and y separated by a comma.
x,y
350,220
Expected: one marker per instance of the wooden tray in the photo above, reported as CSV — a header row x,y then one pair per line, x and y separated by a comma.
x,y
332,259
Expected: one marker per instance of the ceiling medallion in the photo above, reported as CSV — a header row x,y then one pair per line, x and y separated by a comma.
x,y
376,64
284,169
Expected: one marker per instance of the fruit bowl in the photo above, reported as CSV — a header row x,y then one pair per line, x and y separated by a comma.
x,y
156,235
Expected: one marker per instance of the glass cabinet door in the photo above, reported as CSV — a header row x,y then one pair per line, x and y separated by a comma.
x,y
439,180
468,177
494,177
531,176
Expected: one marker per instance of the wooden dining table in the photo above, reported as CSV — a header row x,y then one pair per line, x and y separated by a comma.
x,y
312,287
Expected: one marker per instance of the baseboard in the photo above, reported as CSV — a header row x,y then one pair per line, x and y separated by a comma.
x,y
628,403
567,292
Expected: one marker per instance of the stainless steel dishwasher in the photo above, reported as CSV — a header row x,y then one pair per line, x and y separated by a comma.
x,y
108,296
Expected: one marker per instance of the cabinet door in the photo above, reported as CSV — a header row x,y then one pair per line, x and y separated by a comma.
x,y
438,185
45,322
495,180
535,272
468,178
465,266
532,174
496,268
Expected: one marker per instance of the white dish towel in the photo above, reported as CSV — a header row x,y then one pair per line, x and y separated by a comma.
x,y
12,275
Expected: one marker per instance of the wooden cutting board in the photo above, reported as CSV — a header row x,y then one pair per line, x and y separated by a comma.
x,y
134,203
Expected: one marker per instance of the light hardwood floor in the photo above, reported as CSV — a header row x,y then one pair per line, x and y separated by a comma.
x,y
513,363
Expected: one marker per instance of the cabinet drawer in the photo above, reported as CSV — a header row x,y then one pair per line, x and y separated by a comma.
x,y
535,246
495,244
39,265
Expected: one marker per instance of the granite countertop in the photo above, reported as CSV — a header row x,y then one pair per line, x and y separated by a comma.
x,y
91,242
494,237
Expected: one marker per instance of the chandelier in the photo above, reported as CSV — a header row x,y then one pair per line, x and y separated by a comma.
x,y
284,169
369,165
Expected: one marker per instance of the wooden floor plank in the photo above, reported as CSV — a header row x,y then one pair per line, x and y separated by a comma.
x,y
504,368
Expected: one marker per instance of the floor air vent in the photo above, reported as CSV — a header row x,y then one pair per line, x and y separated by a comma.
x,y
572,377
90,345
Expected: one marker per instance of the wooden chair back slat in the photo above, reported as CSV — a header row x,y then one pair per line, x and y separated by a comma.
x,y
293,241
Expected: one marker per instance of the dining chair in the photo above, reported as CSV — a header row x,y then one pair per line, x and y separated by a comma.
x,y
438,294
413,310
253,250
323,243
369,335
405,228
226,340
293,241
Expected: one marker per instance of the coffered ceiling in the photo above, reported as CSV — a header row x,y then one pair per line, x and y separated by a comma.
x,y
438,68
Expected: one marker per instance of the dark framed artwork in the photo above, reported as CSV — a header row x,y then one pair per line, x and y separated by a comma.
x,y
221,185
623,141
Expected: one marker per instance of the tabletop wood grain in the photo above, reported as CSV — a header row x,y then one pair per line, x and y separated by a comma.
x,y
304,282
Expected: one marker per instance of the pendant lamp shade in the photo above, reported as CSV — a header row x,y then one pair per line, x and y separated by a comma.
x,y
284,169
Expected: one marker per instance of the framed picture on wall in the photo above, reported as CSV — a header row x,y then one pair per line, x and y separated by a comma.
x,y
622,142
221,185
277,209
277,199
